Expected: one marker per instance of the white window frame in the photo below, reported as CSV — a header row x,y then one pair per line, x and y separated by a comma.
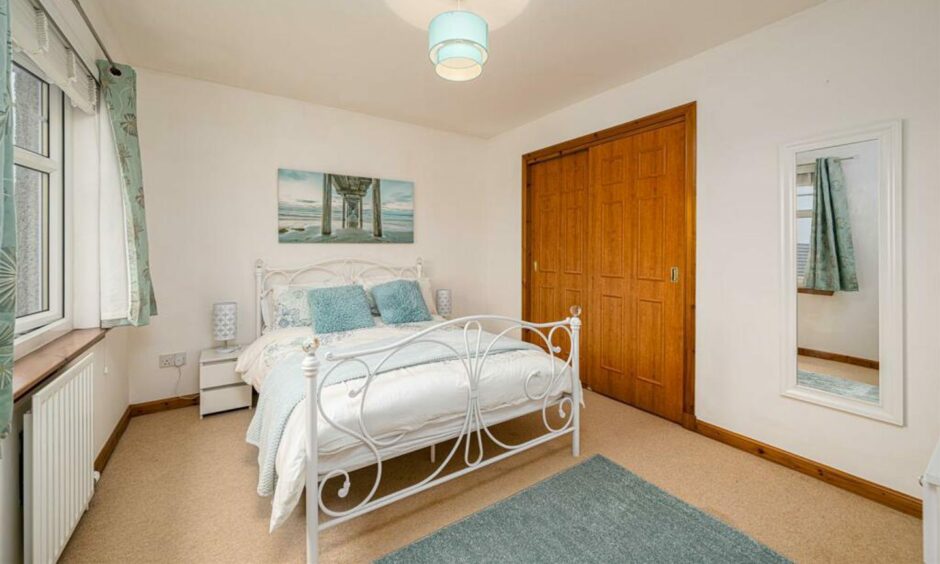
x,y
802,214
37,329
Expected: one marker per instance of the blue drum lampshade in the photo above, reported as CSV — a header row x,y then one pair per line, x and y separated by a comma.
x,y
457,44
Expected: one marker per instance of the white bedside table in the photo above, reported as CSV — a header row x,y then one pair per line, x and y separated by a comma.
x,y
220,389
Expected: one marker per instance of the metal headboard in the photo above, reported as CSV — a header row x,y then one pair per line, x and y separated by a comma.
x,y
339,271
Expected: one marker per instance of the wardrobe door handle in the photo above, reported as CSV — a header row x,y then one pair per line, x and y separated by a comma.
x,y
674,274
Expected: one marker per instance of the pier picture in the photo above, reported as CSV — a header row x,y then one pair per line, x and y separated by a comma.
x,y
318,207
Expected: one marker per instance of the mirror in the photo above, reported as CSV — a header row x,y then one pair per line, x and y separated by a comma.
x,y
843,344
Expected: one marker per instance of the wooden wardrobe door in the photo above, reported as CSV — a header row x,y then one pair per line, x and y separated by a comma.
x,y
573,280
558,210
638,252
610,269
658,337
545,232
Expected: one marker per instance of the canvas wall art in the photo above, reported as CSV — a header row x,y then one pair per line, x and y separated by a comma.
x,y
318,207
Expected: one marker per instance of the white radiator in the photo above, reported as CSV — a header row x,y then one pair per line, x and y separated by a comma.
x,y
58,469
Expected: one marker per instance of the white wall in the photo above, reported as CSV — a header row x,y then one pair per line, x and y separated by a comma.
x,y
211,155
842,64
111,384
847,322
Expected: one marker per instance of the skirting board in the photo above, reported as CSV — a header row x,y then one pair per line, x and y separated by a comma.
x,y
859,486
162,405
108,449
134,410
843,358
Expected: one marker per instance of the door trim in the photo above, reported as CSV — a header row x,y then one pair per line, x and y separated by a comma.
x,y
686,114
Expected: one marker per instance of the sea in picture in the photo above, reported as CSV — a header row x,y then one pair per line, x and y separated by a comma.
x,y
362,209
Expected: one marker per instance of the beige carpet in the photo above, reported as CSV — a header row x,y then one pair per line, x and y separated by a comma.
x,y
840,369
181,489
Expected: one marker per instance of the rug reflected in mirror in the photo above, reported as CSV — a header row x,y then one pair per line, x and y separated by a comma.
x,y
839,386
596,511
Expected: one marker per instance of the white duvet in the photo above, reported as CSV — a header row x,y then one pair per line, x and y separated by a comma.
x,y
427,402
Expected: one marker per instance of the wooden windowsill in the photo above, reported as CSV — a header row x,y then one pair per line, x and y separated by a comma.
x,y
33,369
814,292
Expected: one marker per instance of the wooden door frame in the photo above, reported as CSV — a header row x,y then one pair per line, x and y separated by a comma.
x,y
680,114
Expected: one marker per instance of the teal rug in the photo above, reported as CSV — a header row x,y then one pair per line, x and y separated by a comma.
x,y
594,512
839,386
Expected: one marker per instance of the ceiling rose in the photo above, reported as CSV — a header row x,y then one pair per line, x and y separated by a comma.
x,y
419,13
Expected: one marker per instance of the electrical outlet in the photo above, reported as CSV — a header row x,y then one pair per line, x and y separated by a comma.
x,y
172,360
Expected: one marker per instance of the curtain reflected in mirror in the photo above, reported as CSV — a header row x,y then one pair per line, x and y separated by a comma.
x,y
837,246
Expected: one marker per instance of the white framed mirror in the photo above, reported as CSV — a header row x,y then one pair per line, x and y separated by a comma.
x,y
842,286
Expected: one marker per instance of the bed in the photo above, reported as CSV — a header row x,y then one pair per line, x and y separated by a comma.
x,y
382,391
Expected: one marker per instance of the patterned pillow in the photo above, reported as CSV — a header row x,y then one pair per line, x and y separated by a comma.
x,y
400,301
341,308
291,307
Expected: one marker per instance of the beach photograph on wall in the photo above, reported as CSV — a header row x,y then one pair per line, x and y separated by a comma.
x,y
318,207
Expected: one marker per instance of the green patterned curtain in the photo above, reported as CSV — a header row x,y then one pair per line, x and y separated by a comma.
x,y
119,93
7,228
831,262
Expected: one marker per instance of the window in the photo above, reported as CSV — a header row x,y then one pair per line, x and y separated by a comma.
x,y
805,196
38,183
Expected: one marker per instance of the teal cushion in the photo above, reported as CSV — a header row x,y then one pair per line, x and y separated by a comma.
x,y
341,308
400,301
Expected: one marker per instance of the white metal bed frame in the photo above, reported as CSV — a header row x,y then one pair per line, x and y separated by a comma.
x,y
473,358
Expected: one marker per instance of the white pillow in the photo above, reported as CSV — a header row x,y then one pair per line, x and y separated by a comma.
x,y
423,283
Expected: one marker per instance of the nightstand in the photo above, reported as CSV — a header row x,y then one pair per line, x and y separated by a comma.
x,y
220,388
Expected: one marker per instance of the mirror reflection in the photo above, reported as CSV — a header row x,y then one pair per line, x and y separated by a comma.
x,y
837,270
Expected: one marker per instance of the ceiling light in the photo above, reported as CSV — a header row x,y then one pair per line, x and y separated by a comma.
x,y
457,44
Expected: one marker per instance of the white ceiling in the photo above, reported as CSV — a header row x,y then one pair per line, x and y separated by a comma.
x,y
361,56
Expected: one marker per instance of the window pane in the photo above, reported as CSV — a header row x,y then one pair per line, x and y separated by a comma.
x,y
804,226
30,112
31,190
805,202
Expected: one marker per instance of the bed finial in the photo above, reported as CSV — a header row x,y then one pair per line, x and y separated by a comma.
x,y
259,264
575,314
311,346
419,267
311,362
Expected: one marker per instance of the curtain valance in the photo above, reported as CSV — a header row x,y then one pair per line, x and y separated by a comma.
x,y
35,36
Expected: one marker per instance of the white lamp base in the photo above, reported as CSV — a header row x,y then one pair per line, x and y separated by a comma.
x,y
226,348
